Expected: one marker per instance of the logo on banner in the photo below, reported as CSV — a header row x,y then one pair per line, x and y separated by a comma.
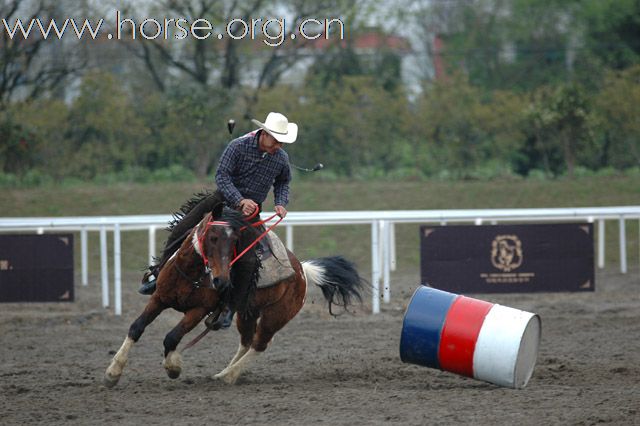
x,y
506,252
506,257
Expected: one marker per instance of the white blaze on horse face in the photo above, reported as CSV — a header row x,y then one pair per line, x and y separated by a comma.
x,y
196,243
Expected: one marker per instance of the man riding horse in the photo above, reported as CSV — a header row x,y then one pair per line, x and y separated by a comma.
x,y
250,165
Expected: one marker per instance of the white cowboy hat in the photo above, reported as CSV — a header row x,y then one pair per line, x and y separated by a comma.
x,y
279,127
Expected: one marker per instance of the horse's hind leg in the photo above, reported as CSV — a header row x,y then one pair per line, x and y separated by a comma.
x,y
247,329
114,371
273,318
172,358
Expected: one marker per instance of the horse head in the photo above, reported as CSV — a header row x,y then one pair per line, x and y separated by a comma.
x,y
215,241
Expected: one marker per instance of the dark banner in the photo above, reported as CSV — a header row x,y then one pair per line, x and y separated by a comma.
x,y
508,258
36,268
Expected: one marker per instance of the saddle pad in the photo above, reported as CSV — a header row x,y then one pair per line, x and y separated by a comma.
x,y
275,261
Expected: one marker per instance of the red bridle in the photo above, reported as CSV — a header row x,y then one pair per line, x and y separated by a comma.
x,y
223,223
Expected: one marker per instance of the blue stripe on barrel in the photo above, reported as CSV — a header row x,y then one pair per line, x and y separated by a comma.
x,y
422,326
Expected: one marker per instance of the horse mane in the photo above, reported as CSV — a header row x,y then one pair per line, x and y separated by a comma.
x,y
236,220
177,219
186,208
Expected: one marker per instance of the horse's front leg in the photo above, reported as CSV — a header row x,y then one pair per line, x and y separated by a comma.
x,y
114,371
172,358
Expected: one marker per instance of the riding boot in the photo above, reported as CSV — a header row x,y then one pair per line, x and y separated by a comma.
x,y
224,320
227,319
148,285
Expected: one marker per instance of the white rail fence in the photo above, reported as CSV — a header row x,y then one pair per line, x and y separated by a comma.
x,y
382,224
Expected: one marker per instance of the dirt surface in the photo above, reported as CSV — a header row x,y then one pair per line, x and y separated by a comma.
x,y
318,370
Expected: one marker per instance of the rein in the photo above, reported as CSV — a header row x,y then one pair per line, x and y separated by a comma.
x,y
223,223
257,240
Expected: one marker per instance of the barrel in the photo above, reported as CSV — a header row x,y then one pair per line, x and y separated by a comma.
x,y
470,337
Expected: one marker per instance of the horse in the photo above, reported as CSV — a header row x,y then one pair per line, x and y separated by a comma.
x,y
206,257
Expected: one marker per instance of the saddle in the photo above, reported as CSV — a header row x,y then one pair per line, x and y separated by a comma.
x,y
275,261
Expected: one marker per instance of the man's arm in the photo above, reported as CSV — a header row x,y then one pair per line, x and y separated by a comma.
x,y
281,189
228,161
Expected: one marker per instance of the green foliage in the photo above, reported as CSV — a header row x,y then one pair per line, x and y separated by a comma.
x,y
340,62
526,44
560,130
104,131
612,31
618,105
464,128
194,133
537,88
355,127
17,145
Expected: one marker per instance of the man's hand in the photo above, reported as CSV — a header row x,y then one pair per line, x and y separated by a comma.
x,y
281,211
247,206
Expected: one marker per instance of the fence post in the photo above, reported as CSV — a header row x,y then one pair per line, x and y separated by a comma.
x,y
152,243
117,273
392,241
375,268
623,246
600,243
386,261
290,237
103,266
84,256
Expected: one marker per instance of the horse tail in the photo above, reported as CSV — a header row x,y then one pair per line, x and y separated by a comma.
x,y
337,278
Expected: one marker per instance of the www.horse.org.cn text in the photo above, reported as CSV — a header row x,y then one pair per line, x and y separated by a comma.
x,y
272,31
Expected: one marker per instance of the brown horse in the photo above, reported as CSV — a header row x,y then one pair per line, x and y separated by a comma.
x,y
186,285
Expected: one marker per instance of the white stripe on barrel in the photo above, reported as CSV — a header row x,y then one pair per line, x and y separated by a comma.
x,y
507,347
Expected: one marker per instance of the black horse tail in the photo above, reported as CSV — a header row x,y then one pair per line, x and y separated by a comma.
x,y
337,278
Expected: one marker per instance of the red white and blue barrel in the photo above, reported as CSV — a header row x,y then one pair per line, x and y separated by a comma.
x,y
470,337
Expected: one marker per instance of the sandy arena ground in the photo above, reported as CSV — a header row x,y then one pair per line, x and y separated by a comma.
x,y
319,370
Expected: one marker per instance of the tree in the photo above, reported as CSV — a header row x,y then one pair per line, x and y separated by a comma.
x,y
342,60
16,145
617,104
560,123
355,127
241,67
612,31
195,129
105,133
27,69
462,127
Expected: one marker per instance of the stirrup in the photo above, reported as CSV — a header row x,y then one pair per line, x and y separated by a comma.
x,y
148,287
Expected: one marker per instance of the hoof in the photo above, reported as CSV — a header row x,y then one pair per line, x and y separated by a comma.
x,y
226,377
174,373
173,364
110,381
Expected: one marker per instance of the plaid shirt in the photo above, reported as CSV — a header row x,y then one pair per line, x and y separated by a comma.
x,y
246,172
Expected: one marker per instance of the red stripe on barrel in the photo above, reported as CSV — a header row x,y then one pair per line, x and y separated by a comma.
x,y
460,333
